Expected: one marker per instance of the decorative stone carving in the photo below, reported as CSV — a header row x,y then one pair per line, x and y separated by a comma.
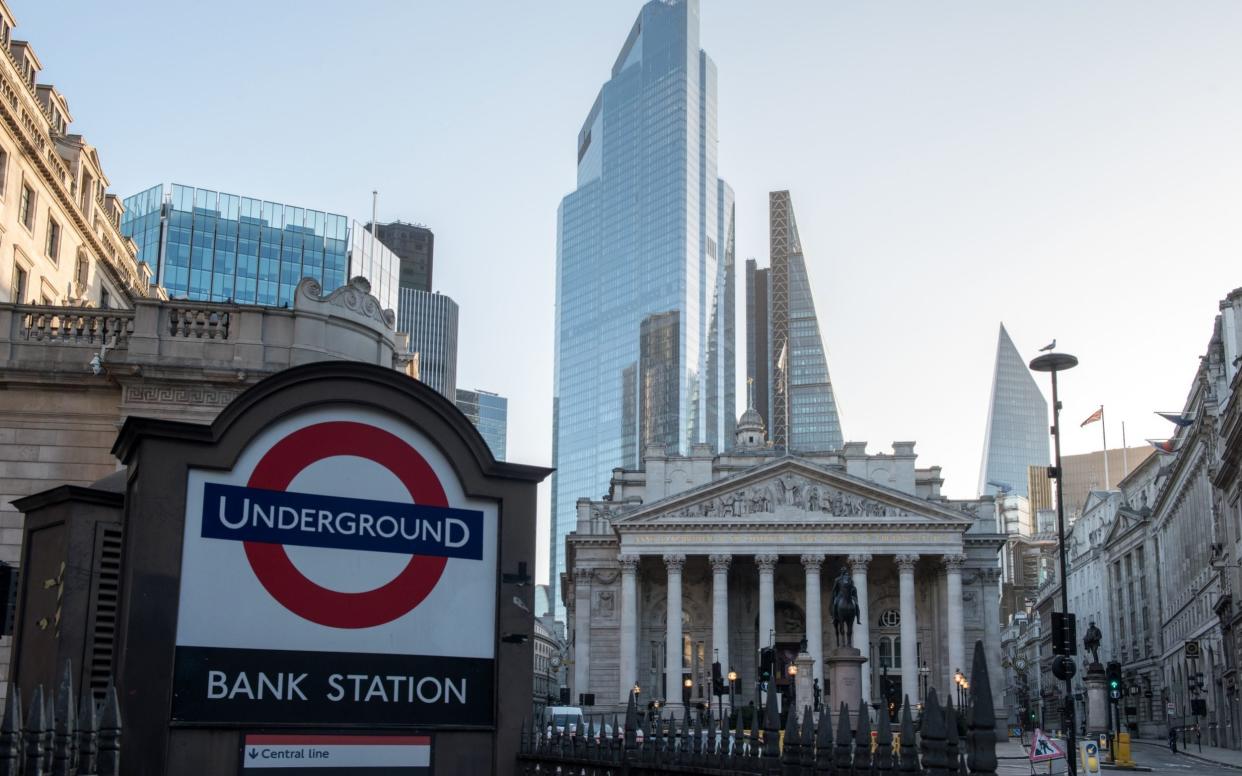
x,y
767,563
954,562
859,562
582,576
812,561
906,562
674,561
354,296
605,603
720,562
791,491
629,563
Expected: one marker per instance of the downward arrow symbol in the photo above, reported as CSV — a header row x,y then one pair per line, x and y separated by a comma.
x,y
254,753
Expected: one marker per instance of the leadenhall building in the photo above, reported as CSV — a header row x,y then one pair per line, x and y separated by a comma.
x,y
747,545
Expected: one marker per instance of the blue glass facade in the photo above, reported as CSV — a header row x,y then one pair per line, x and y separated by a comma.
x,y
644,314
212,246
489,412
1017,430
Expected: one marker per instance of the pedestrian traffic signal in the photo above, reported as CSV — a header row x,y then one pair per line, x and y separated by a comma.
x,y
767,657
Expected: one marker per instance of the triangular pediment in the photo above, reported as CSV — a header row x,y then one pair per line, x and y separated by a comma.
x,y
1125,520
792,489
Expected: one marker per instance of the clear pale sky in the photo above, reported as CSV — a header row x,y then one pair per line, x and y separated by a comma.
x,y
1073,169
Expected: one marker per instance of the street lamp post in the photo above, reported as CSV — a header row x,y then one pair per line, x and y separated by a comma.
x,y
793,686
1053,363
732,685
924,676
686,685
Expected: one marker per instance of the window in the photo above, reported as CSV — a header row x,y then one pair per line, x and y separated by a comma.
x,y
21,279
105,299
25,208
4,171
53,239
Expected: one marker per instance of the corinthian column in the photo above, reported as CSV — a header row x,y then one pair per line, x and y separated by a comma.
x,y
953,586
672,644
862,630
629,624
582,630
767,600
909,628
720,609
814,617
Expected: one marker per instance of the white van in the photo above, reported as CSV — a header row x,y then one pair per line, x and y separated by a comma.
x,y
564,719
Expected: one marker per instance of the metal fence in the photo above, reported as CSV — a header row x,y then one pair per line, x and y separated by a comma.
x,y
808,747
56,741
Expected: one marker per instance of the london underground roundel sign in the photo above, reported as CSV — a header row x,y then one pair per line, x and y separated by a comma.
x,y
277,573
338,573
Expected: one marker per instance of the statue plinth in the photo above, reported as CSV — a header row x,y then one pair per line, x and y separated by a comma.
x,y
1097,699
804,690
844,667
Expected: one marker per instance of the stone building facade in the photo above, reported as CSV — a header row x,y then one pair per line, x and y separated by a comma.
x,y
60,240
746,546
70,376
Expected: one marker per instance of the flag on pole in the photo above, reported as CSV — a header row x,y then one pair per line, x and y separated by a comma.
x,y
1177,418
783,359
1097,415
1163,445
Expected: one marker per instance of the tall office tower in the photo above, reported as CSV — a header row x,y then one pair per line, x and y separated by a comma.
x,y
647,232
414,244
431,321
785,352
1017,432
216,247
489,412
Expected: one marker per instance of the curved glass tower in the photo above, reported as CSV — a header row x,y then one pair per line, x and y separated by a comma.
x,y
644,277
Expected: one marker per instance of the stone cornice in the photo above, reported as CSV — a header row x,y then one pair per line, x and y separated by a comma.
x,y
832,524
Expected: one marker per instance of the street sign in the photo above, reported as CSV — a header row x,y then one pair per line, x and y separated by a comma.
x,y
1170,709
275,754
337,575
1089,756
1044,748
1192,650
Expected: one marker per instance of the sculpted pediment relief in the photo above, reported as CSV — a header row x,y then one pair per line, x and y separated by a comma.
x,y
789,493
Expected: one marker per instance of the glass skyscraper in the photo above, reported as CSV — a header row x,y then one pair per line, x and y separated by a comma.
x,y
431,321
644,287
215,247
1017,431
489,412
781,319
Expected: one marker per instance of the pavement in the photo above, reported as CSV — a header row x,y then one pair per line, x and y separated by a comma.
x,y
1154,755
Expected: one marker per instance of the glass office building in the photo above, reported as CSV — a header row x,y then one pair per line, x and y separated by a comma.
x,y
780,311
431,321
1017,430
644,329
489,412
217,247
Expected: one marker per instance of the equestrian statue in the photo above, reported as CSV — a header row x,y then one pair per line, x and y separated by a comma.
x,y
845,610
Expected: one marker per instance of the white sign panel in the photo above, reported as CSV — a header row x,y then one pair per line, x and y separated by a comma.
x,y
338,574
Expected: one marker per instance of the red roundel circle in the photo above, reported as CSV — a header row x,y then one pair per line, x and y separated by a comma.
x,y
289,586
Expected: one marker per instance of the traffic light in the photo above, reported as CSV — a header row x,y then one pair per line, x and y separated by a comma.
x,y
1113,674
767,657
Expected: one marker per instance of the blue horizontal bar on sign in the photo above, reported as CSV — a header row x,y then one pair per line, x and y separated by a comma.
x,y
308,520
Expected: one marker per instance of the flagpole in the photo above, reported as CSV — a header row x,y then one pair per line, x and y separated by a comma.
x,y
1104,437
1125,459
